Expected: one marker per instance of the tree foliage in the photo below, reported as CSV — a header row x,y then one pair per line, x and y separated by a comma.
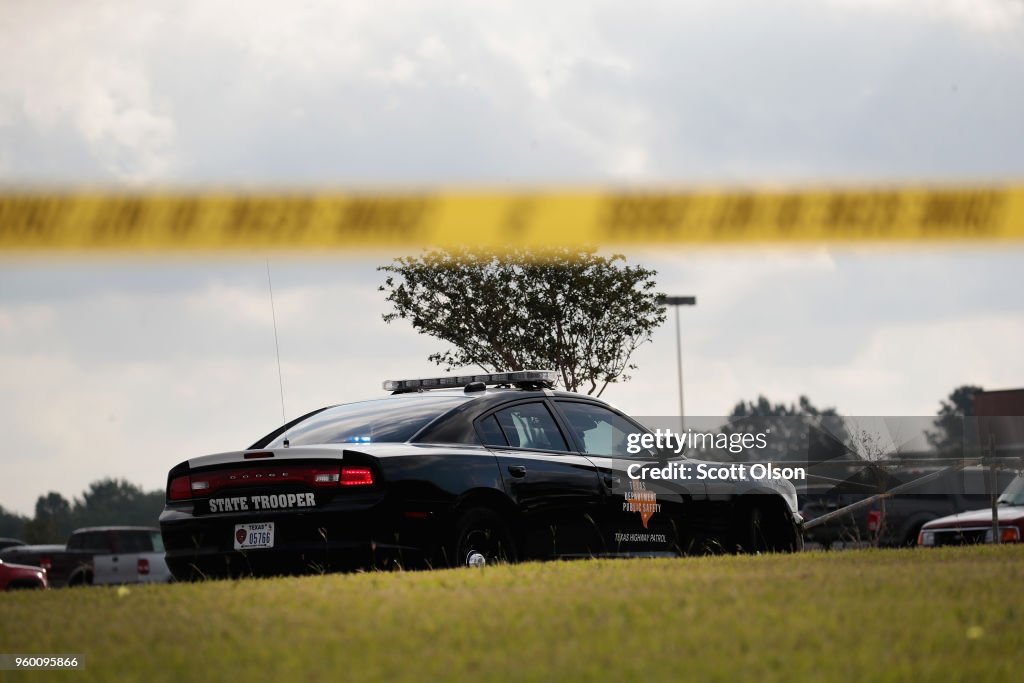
x,y
12,525
116,501
104,502
52,522
571,309
797,431
948,434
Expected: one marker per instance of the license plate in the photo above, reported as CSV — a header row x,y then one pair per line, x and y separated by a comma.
x,y
258,535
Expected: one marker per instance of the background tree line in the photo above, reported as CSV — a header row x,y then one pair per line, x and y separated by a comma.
x,y
106,501
801,430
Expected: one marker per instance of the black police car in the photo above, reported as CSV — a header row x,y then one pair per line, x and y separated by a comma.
x,y
454,471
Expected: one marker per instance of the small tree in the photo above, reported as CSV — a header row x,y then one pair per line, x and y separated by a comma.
x,y
570,309
52,522
949,424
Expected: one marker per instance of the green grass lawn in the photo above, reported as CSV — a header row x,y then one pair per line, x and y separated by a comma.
x,y
869,615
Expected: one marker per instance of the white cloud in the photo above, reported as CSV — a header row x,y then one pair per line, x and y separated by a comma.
x,y
21,320
383,91
928,359
85,70
985,15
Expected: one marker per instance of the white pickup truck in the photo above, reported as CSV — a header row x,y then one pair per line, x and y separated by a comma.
x,y
137,558
132,568
137,568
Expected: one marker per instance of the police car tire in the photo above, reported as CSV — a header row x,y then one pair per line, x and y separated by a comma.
x,y
483,531
758,522
764,534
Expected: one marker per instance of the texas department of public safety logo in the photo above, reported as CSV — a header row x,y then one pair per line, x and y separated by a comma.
x,y
639,499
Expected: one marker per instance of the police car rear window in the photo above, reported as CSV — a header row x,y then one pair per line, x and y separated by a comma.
x,y
390,420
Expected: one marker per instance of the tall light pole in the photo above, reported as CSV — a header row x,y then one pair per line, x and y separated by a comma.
x,y
676,302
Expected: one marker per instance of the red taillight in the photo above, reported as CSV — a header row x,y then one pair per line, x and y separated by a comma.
x,y
318,476
202,484
46,563
356,476
143,566
180,488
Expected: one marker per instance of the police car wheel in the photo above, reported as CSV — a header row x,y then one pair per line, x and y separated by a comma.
x,y
756,540
749,529
482,539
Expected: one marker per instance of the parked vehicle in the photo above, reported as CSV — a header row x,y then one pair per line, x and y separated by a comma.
x,y
98,555
10,542
450,471
896,521
138,566
975,526
36,555
17,576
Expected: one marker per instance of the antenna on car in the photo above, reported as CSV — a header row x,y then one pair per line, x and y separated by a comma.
x,y
277,347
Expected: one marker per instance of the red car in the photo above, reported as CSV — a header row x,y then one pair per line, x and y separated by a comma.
x,y
972,527
14,576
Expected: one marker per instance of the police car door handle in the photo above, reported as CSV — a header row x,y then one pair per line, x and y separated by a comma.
x,y
517,470
609,480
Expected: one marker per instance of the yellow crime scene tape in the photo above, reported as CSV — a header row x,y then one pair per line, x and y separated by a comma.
x,y
41,221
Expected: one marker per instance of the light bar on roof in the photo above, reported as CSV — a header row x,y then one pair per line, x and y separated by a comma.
x,y
519,377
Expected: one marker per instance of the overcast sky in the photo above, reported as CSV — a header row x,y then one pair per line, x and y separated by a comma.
x,y
125,367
